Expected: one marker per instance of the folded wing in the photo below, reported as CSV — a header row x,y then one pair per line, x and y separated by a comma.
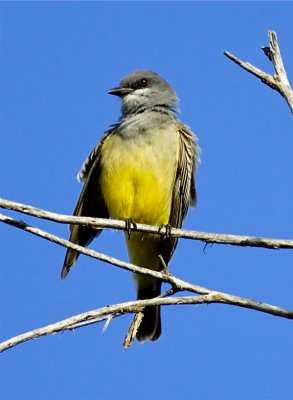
x,y
184,193
89,204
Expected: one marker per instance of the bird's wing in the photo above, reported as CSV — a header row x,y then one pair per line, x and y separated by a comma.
x,y
184,192
90,204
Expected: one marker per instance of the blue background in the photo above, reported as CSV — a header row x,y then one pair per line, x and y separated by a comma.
x,y
57,62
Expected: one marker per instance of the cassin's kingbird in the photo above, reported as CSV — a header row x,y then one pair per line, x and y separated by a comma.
x,y
142,171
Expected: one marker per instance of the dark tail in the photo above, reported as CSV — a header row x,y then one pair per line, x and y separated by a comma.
x,y
150,327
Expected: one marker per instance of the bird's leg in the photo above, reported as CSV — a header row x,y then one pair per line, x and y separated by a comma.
x,y
129,224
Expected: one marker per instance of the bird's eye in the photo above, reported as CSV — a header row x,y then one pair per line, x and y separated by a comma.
x,y
143,82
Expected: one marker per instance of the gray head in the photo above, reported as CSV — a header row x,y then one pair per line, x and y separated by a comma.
x,y
144,89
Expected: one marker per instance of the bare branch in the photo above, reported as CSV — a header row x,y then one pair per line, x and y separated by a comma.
x,y
165,277
218,238
106,313
113,311
279,81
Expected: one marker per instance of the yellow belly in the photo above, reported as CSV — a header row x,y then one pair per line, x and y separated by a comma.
x,y
138,174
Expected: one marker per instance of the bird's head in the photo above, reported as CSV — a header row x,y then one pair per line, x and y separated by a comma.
x,y
144,89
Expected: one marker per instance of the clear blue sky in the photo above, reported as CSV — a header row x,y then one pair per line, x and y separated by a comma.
x,y
57,62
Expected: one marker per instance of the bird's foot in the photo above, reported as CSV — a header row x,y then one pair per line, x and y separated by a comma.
x,y
167,233
129,225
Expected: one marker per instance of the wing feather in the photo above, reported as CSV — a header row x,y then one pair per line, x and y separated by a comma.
x,y
90,204
184,193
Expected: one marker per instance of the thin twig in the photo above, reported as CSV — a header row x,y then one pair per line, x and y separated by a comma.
x,y
132,331
279,81
218,238
94,316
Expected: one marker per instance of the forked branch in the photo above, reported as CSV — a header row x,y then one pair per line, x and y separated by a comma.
x,y
279,81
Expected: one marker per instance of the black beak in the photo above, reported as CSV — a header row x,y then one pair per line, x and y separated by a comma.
x,y
120,91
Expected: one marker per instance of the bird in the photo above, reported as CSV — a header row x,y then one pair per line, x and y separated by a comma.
x,y
141,171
